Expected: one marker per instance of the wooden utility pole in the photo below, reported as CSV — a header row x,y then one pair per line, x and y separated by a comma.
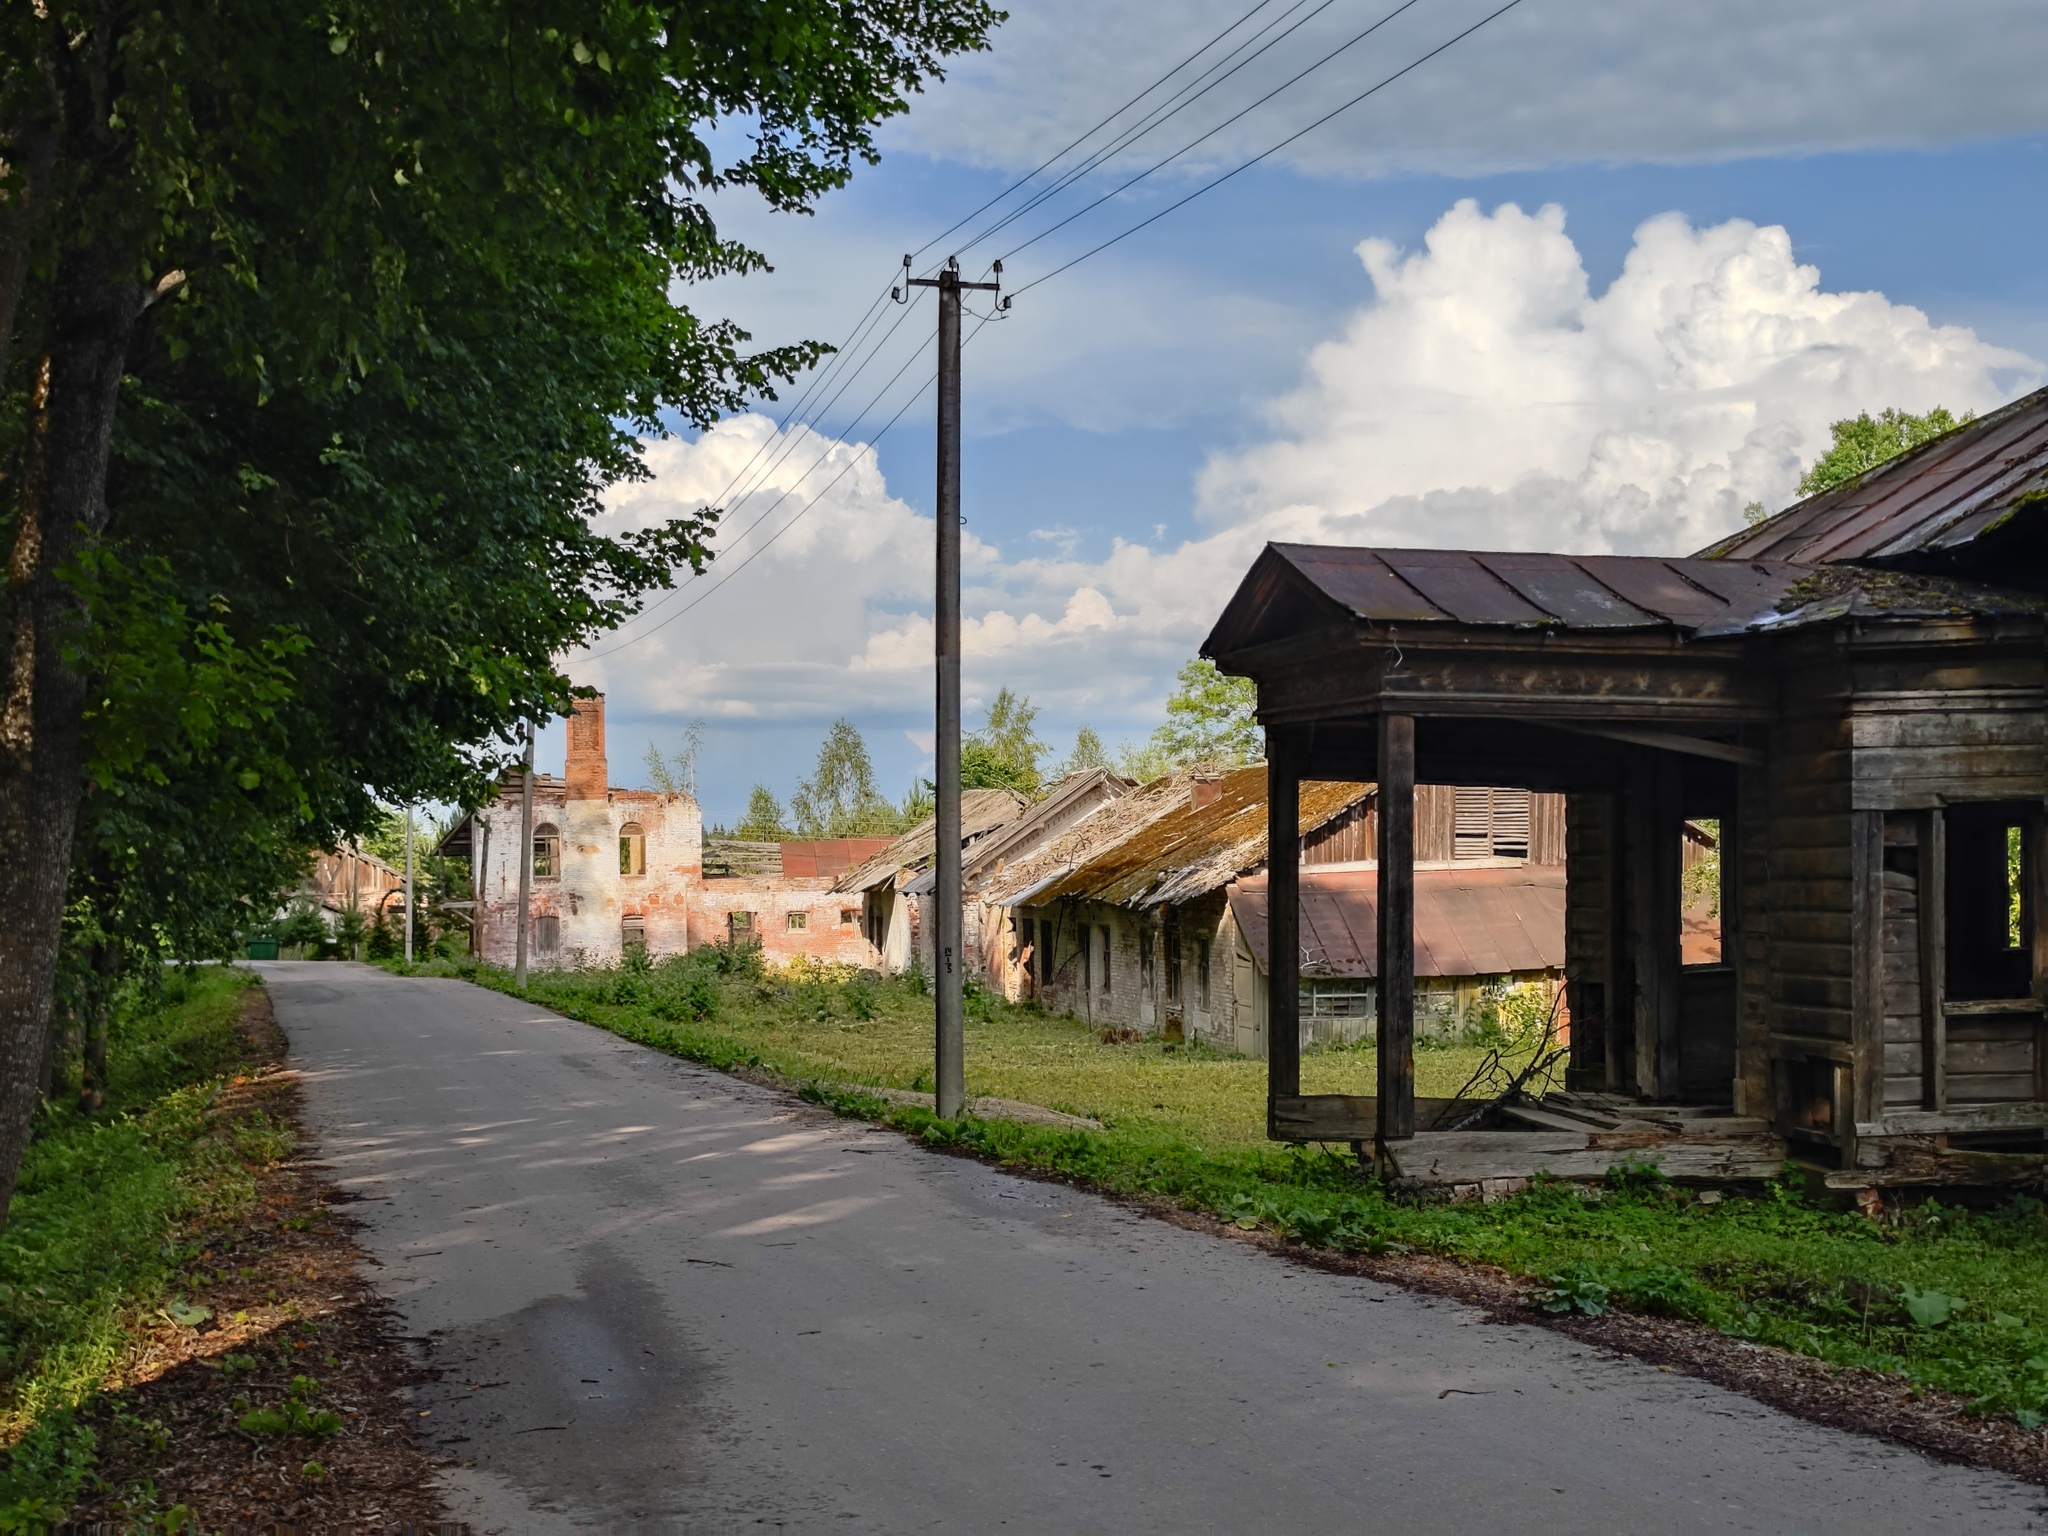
x,y
408,885
950,1064
524,854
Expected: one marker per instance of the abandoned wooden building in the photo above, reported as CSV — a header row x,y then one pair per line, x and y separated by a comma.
x,y
1852,689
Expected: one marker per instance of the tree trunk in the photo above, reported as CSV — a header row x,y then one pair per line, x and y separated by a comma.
x,y
95,304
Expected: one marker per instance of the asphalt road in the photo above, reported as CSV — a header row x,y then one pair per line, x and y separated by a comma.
x,y
664,1300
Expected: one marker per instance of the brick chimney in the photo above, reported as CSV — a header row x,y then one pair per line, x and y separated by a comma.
x,y
586,772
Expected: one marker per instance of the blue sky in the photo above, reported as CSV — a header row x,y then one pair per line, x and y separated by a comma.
x,y
1242,370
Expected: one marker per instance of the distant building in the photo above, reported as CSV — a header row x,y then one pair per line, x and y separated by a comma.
x,y
617,867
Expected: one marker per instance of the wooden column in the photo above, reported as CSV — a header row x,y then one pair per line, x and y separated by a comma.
x,y
1866,986
1283,919
1931,900
2034,871
1397,928
1651,849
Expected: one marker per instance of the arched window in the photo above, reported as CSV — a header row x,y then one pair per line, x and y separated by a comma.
x,y
632,849
547,852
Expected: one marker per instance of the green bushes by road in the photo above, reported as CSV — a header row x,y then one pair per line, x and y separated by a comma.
x,y
1944,1297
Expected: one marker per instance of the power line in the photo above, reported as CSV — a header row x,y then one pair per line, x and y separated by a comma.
x,y
804,511
1027,179
769,510
1285,85
1265,154
1168,110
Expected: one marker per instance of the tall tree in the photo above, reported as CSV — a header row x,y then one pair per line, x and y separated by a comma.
x,y
1004,752
1088,752
325,326
676,773
1211,721
764,821
840,799
1863,442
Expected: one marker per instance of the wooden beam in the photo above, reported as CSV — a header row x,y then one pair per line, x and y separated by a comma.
x,y
1397,928
1668,741
2015,1116
1651,857
2034,871
1932,901
1283,919
1866,960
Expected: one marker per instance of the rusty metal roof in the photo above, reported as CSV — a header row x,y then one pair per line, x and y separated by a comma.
x,y
982,811
1468,922
1509,589
1157,846
1982,478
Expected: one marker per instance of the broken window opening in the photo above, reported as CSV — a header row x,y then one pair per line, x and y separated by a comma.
x,y
1105,962
1700,892
1147,981
1084,933
848,916
1988,912
547,852
633,931
1202,974
1172,966
632,849
739,925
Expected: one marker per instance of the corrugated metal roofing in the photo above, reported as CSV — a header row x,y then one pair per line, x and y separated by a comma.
x,y
1157,846
1936,498
1468,922
1537,591
982,811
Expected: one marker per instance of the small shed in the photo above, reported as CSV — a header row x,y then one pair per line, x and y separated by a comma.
x,y
1852,693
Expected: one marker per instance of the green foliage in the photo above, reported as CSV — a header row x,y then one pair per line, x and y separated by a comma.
x,y
1004,752
1088,752
764,821
1862,442
90,1247
840,799
1572,1290
676,773
1210,723
302,927
295,1415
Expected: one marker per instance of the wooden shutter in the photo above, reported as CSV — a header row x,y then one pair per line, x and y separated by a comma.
x,y
1472,824
1511,823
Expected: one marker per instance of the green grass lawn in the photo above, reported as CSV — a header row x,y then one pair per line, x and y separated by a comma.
x,y
1944,1297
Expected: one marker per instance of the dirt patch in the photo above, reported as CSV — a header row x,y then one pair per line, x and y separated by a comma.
x,y
289,1307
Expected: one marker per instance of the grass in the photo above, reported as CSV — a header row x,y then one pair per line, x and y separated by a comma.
x,y
91,1244
1943,1297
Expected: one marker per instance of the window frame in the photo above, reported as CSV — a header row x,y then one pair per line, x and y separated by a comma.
x,y
632,851
549,834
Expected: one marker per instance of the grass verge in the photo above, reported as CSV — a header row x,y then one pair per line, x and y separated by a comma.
x,y
169,1274
1947,1300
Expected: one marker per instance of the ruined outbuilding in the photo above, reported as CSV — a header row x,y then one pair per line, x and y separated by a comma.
x,y
1852,690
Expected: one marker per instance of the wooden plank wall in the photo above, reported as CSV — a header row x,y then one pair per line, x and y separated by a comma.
x,y
1810,980
1746,892
1353,837
1905,1025
1589,918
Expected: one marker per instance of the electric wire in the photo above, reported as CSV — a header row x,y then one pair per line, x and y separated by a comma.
x,y
1285,85
1029,177
1158,118
1264,154
733,570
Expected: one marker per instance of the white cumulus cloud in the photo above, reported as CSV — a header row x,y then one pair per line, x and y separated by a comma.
x,y
1481,395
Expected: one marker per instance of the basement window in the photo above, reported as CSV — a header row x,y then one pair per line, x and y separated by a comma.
x,y
547,852
632,849
633,931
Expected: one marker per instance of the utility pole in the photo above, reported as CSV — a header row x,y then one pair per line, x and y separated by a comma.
x,y
950,1065
524,854
408,885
